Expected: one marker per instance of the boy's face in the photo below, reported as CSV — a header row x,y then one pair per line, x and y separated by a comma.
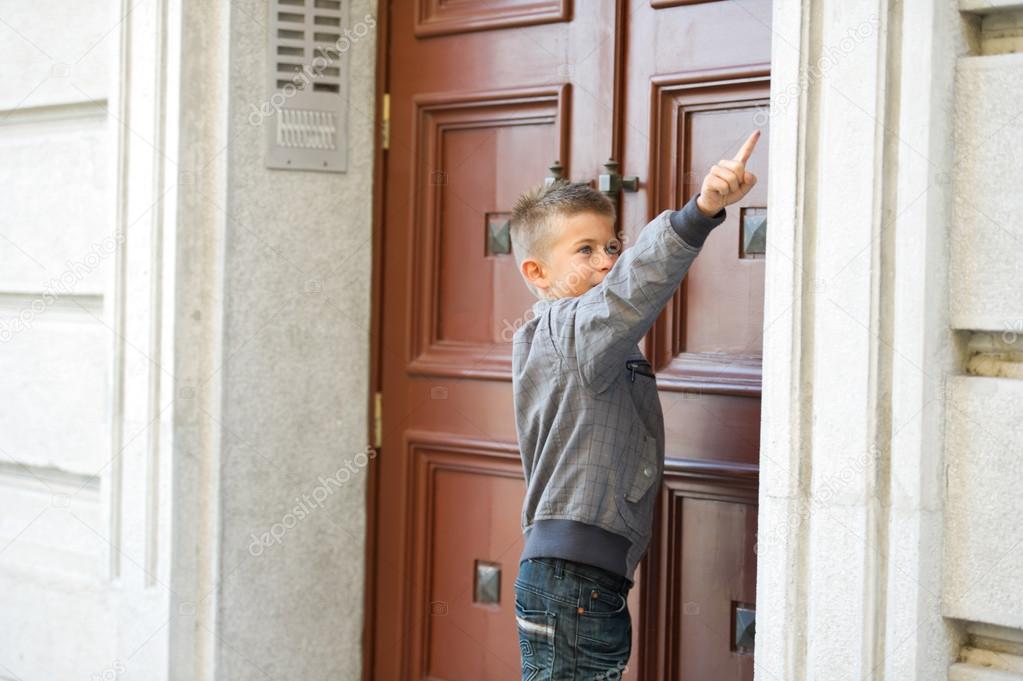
x,y
582,254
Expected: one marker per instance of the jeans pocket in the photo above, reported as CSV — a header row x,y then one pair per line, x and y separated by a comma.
x,y
536,628
600,601
603,643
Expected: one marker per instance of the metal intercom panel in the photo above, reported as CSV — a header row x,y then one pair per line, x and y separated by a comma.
x,y
306,114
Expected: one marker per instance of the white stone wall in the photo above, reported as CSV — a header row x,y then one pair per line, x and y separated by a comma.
x,y
84,446
207,369
889,537
982,586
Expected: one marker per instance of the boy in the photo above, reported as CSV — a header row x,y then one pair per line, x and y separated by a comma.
x,y
588,415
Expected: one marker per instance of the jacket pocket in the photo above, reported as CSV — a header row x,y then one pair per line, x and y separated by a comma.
x,y
639,366
646,470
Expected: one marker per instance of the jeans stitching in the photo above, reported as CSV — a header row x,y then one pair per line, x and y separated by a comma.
x,y
613,613
601,580
543,594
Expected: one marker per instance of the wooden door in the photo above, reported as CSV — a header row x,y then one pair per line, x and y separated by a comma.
x,y
484,98
697,83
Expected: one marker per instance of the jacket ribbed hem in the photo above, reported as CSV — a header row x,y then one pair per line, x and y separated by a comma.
x,y
581,542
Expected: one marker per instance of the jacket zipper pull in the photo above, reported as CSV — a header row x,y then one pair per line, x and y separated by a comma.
x,y
632,368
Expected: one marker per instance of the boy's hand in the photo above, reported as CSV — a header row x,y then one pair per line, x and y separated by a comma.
x,y
727,181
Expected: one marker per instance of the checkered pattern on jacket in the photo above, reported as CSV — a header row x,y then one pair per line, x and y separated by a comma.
x,y
591,433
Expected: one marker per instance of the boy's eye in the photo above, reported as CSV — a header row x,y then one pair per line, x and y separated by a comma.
x,y
614,247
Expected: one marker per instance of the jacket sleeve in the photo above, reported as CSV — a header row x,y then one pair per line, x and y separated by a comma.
x,y
606,322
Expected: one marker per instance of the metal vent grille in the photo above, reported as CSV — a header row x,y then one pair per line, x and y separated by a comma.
x,y
306,129
306,113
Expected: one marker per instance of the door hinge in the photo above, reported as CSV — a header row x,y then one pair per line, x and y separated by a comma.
x,y
385,124
378,420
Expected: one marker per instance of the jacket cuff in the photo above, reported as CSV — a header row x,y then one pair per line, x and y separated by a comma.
x,y
692,225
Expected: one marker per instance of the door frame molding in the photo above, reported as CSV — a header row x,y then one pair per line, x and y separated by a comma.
x,y
376,335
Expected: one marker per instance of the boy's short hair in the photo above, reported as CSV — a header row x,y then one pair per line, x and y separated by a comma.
x,y
532,223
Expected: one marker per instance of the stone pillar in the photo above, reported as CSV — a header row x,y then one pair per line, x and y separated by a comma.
x,y
271,378
857,344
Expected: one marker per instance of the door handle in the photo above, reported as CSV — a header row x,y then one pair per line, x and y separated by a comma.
x,y
611,182
557,173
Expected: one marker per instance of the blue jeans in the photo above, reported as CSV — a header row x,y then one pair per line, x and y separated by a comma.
x,y
573,621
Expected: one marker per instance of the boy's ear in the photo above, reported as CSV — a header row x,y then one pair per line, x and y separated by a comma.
x,y
535,273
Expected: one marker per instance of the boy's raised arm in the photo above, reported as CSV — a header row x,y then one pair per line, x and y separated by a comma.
x,y
608,320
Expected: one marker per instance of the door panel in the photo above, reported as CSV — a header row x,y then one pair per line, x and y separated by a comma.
x,y
484,98
461,494
697,83
471,151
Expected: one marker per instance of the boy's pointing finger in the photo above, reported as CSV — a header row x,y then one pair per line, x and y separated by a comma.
x,y
747,147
